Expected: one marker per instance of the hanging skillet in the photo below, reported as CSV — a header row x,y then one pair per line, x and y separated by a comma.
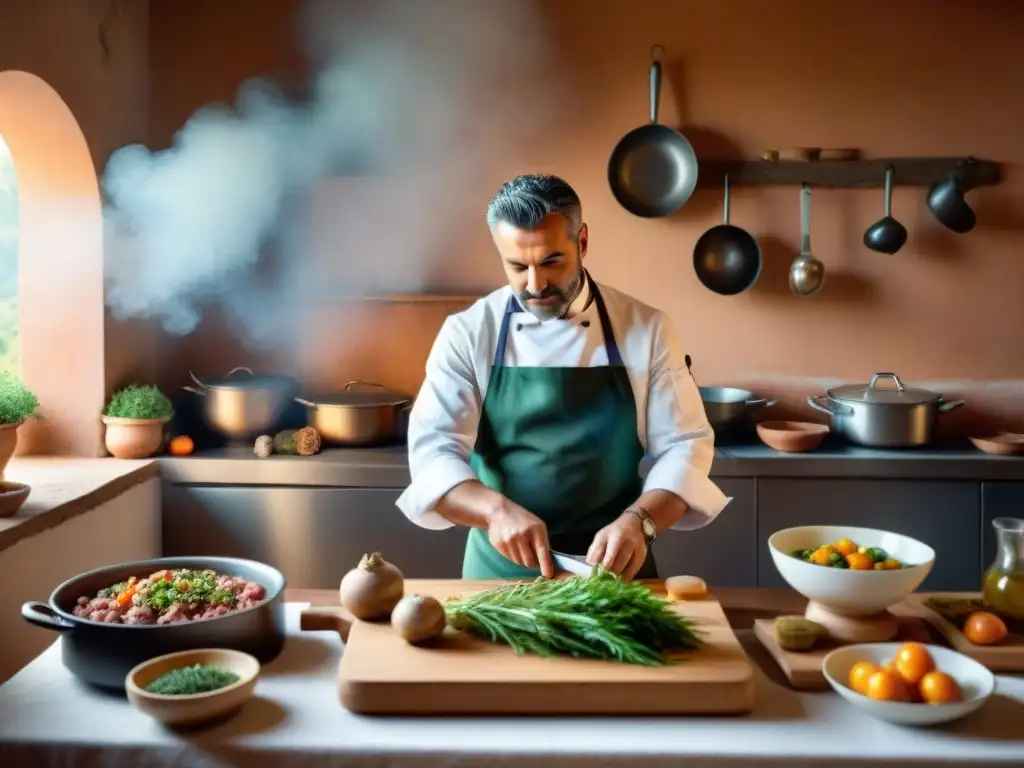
x,y
653,169
727,258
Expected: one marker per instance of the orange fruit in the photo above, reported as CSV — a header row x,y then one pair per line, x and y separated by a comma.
x,y
886,686
984,628
939,688
859,561
181,445
845,547
913,662
860,673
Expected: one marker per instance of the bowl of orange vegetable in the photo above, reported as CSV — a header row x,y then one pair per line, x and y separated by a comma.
x,y
908,683
850,571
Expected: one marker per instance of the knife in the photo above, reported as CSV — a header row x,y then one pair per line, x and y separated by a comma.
x,y
575,564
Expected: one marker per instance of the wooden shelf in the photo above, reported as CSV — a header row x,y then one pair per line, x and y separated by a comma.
x,y
848,174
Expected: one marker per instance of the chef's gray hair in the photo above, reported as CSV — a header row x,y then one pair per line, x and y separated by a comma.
x,y
526,199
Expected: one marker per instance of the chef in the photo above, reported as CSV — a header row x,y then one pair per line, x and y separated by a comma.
x,y
541,399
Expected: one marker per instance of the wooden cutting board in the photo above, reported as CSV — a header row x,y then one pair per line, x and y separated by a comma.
x,y
1007,656
459,674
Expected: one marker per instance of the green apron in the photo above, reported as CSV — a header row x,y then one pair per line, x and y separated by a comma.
x,y
560,442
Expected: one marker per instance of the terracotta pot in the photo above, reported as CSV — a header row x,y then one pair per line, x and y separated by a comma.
x,y
8,442
134,438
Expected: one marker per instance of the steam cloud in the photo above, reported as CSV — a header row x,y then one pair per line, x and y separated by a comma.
x,y
223,217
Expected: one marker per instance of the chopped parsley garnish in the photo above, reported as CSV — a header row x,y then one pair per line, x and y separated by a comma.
x,y
194,679
187,587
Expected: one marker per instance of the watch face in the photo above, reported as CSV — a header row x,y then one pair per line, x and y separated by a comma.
x,y
649,528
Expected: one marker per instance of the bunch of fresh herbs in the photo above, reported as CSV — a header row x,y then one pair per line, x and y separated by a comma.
x,y
599,616
17,402
139,401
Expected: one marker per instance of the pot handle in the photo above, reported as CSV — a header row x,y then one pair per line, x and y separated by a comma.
x,y
893,376
306,403
44,616
832,409
764,402
230,373
351,384
194,391
951,405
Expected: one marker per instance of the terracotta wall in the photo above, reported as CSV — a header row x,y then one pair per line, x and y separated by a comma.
x,y
936,78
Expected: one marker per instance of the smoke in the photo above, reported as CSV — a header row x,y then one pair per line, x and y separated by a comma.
x,y
226,217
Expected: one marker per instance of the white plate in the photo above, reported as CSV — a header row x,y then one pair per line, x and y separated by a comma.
x,y
975,680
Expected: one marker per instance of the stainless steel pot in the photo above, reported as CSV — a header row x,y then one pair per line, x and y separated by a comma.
x,y
243,407
359,417
883,417
102,654
729,407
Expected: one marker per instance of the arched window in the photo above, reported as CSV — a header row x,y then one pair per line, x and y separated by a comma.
x,y
10,344
60,305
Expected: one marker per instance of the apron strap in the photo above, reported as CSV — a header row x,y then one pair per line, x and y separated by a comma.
x,y
611,345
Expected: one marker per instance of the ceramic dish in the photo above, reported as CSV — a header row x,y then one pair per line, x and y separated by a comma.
x,y
12,496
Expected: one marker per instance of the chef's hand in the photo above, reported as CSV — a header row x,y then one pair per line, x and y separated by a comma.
x,y
620,546
522,537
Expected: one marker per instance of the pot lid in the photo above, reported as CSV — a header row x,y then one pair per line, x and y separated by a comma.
x,y
881,393
244,378
356,398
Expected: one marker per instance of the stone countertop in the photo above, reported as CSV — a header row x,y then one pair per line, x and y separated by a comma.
x,y
65,487
388,467
296,719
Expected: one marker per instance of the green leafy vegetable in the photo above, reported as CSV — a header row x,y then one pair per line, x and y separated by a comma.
x,y
139,402
195,679
17,402
599,616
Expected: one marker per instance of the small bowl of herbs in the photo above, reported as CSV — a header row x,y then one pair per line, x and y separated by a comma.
x,y
195,687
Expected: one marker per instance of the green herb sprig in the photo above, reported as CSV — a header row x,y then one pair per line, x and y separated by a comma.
x,y
599,616
194,679
17,402
139,402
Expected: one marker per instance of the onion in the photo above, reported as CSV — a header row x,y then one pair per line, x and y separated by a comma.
x,y
418,618
372,589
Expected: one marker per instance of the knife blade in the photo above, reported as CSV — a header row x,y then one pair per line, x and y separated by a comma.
x,y
575,564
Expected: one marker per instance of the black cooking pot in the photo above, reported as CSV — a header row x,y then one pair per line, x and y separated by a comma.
x,y
103,654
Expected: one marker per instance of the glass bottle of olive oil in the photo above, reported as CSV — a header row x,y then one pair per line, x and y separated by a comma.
x,y
1003,585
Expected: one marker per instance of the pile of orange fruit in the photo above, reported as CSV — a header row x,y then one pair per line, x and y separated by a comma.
x,y
911,676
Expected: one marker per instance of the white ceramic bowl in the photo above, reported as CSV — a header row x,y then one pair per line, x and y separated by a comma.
x,y
845,591
197,708
975,680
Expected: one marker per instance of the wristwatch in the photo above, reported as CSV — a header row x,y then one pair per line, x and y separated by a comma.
x,y
647,525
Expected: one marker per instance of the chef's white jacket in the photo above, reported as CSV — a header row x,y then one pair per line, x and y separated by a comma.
x,y
671,423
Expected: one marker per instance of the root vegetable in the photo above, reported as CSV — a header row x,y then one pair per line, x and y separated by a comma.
x,y
418,618
371,590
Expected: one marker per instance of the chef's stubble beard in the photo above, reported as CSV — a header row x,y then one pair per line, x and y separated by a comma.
x,y
568,296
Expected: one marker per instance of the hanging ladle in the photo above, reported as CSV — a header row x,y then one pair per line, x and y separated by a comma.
x,y
806,273
886,235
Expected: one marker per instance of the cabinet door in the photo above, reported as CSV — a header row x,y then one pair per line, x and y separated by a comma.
x,y
944,515
313,535
724,552
997,500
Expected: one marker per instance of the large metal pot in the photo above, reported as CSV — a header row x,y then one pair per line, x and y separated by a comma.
x,y
728,407
102,654
359,417
883,417
243,407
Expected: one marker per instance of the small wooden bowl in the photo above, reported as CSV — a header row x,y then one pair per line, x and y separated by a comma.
x,y
12,496
1001,444
196,708
792,436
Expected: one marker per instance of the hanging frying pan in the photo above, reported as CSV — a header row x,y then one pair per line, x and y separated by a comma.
x,y
653,169
727,258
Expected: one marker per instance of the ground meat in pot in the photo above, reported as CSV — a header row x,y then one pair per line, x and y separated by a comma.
x,y
169,597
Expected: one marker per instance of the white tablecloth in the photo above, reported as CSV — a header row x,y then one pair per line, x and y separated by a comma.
x,y
48,719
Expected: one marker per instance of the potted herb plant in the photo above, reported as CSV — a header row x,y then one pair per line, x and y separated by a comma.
x,y
135,419
17,403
